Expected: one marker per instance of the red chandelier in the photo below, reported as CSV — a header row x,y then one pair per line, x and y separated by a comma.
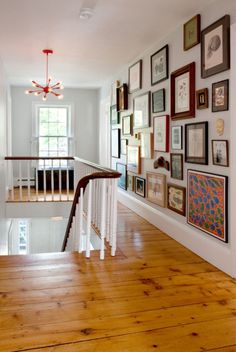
x,y
48,88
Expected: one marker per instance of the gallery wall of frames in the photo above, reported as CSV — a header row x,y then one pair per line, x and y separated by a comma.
x,y
170,126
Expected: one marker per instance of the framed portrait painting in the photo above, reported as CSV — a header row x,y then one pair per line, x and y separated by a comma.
x,y
160,65
133,159
141,117
115,143
220,152
176,198
158,101
156,188
196,143
207,205
192,32
122,181
176,166
176,137
140,186
135,77
220,96
161,133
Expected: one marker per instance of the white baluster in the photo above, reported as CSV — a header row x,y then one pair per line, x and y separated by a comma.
x,y
88,227
52,181
114,218
12,181
28,178
44,180
20,179
108,211
80,228
60,179
67,180
37,181
103,218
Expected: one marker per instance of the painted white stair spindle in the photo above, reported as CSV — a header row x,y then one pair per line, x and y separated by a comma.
x,y
88,227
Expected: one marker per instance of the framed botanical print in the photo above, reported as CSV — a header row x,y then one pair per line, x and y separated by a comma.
x,y
127,125
202,98
220,96
158,101
176,198
160,65
140,186
207,205
146,142
176,166
176,137
123,146
114,115
220,152
161,133
114,86
122,181
192,31
115,143
133,159
156,188
142,111
122,97
196,143
215,47
130,183
135,77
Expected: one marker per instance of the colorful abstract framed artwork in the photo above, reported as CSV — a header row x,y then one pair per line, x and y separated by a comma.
x,y
114,86
156,188
220,96
158,101
202,98
207,203
176,166
133,159
115,143
146,143
220,152
161,133
160,65
176,198
142,111
122,181
130,183
122,97
114,116
140,186
176,137
127,125
196,143
215,47
183,92
135,77
192,32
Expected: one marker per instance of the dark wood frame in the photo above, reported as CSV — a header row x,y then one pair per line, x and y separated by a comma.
x,y
227,151
163,100
183,189
125,187
181,136
122,90
117,116
166,48
167,130
191,112
199,92
198,32
197,160
149,112
225,22
225,107
130,124
181,165
140,63
137,169
118,141
144,186
126,143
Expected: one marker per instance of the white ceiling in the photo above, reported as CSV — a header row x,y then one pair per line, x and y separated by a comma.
x,y
85,52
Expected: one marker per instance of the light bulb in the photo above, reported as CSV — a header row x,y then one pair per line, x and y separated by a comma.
x,y
27,92
61,87
44,98
60,96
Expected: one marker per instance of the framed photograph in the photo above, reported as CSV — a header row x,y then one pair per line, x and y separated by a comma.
x,y
220,152
160,65
115,143
156,188
130,183
135,77
202,98
127,125
183,92
158,101
176,198
122,97
161,133
142,111
220,96
207,205
114,86
146,142
122,181
176,166
133,159
215,47
140,186
196,143
123,146
192,32
114,115
176,137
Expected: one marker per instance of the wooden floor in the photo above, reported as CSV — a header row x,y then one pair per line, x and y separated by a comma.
x,y
154,296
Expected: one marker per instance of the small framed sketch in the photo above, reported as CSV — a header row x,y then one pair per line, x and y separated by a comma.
x,y
176,198
114,86
158,101
176,137
202,98
161,133
122,97
135,77
133,159
146,142
123,146
215,47
130,183
114,115
127,125
176,166
192,32
122,181
140,186
210,214
196,143
160,65
115,143
156,188
142,111
183,92
220,152
220,96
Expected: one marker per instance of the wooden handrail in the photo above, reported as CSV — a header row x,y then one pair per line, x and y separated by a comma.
x,y
39,158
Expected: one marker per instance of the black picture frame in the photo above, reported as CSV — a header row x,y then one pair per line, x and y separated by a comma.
x,y
177,131
156,65
139,181
220,158
196,150
176,166
114,116
220,96
115,143
158,101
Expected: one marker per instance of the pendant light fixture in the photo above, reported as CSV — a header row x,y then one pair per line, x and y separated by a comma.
x,y
49,88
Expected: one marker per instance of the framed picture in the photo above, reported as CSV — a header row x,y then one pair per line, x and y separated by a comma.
x,y
183,92
161,133
220,152
127,125
202,98
114,115
215,47
135,77
158,101
130,183
140,186
156,188
176,166
114,86
122,181
115,143
220,96
176,137
123,146
196,143
207,205
146,142
160,65
133,159
176,198
142,111
192,31
122,97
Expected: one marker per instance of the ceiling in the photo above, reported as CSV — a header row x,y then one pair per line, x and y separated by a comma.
x,y
85,52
